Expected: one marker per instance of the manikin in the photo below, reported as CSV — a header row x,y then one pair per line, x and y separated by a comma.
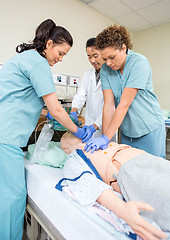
x,y
141,178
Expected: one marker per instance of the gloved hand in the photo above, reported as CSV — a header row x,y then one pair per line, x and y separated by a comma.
x,y
97,143
80,132
74,115
49,116
88,133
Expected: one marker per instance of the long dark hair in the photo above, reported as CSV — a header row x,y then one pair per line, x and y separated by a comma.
x,y
45,31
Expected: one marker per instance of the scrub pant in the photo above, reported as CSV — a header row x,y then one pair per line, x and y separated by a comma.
x,y
12,192
153,142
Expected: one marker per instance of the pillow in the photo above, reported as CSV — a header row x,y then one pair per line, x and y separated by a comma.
x,y
53,156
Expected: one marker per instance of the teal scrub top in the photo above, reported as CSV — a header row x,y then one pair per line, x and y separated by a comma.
x,y
24,79
144,114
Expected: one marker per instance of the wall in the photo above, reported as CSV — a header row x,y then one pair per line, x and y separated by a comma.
x,y
154,43
19,19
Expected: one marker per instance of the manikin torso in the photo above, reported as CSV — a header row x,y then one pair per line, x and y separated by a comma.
x,y
107,162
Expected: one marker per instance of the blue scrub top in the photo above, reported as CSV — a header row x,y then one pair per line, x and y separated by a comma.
x,y
144,114
24,79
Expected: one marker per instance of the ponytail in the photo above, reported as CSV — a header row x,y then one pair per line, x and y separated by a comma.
x,y
45,31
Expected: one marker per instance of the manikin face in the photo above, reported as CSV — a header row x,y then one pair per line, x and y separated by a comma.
x,y
94,57
56,52
66,142
114,58
69,142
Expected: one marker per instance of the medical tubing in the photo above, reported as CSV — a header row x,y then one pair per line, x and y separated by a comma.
x,y
46,121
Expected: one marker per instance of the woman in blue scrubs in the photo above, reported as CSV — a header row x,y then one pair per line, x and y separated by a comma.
x,y
26,83
129,101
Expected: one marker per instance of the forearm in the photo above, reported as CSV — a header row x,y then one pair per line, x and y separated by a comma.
x,y
98,122
129,211
108,113
127,98
116,121
110,200
63,118
79,100
58,112
95,126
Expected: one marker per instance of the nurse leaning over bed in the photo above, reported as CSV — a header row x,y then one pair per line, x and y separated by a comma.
x,y
26,83
129,101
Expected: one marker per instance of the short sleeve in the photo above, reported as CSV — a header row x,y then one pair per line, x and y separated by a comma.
x,y
104,73
42,79
140,74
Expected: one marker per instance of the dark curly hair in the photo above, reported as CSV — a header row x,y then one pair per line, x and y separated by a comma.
x,y
113,36
45,31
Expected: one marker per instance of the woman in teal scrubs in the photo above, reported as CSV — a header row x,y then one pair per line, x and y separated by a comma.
x,y
129,101
26,83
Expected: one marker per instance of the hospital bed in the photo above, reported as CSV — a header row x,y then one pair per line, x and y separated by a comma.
x,y
58,215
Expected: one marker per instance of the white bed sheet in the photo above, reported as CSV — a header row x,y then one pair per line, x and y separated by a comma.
x,y
71,221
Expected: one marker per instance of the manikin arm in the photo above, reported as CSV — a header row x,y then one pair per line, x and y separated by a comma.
x,y
129,211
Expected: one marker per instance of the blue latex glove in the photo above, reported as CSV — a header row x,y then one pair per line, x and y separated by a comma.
x,y
74,115
88,133
97,143
49,116
80,132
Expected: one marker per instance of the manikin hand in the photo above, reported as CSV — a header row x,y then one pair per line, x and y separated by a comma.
x,y
130,213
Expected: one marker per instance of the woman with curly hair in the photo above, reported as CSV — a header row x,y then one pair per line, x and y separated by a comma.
x,y
129,101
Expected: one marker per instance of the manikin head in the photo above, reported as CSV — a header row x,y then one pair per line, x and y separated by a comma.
x,y
69,143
